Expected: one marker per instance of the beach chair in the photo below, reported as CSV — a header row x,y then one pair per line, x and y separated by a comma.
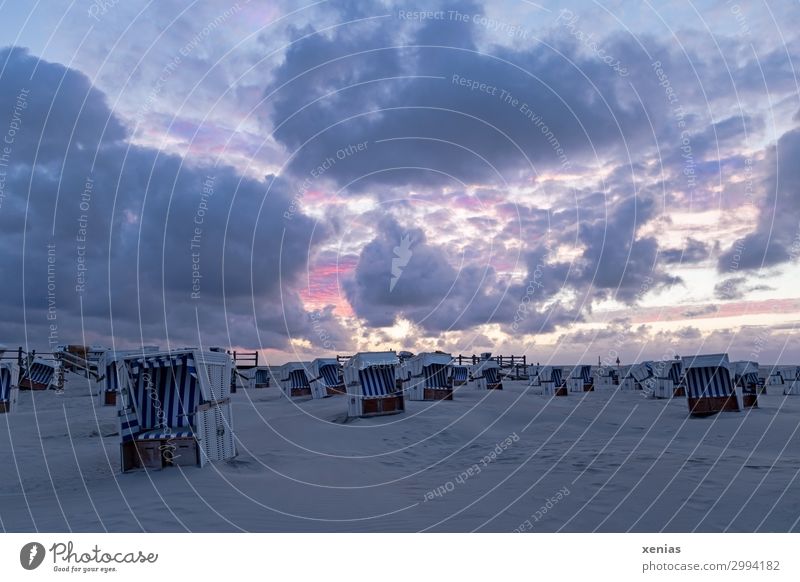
x,y
175,410
370,379
709,385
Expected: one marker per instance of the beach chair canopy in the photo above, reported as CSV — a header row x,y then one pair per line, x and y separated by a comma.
x,y
363,360
294,371
373,371
165,394
556,376
328,370
708,376
434,367
41,372
642,371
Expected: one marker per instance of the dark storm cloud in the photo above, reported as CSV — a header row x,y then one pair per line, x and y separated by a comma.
x,y
131,229
776,238
331,91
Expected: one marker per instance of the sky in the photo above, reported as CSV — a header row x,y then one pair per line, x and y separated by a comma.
x,y
572,181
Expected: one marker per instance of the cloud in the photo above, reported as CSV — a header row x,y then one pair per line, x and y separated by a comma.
x,y
694,251
128,242
776,237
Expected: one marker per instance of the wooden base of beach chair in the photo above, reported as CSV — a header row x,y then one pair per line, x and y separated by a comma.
x,y
750,400
27,384
335,390
708,406
157,454
588,387
437,394
110,399
182,452
679,391
141,455
562,391
495,386
385,405
5,407
299,392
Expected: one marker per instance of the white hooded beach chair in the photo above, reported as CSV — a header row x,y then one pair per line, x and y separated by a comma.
x,y
370,378
775,378
605,378
9,385
293,378
327,378
486,374
641,376
709,385
260,377
175,409
658,382
547,381
428,376
792,388
580,379
40,374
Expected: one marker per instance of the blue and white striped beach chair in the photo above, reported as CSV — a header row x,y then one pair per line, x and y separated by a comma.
x,y
294,380
709,385
327,378
175,409
428,376
370,378
39,375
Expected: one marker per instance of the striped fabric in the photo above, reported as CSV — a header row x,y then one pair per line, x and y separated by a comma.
x,y
128,424
436,376
5,384
460,373
675,372
161,433
491,375
262,377
586,374
165,395
708,382
40,373
330,375
112,377
556,377
797,373
377,380
298,379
